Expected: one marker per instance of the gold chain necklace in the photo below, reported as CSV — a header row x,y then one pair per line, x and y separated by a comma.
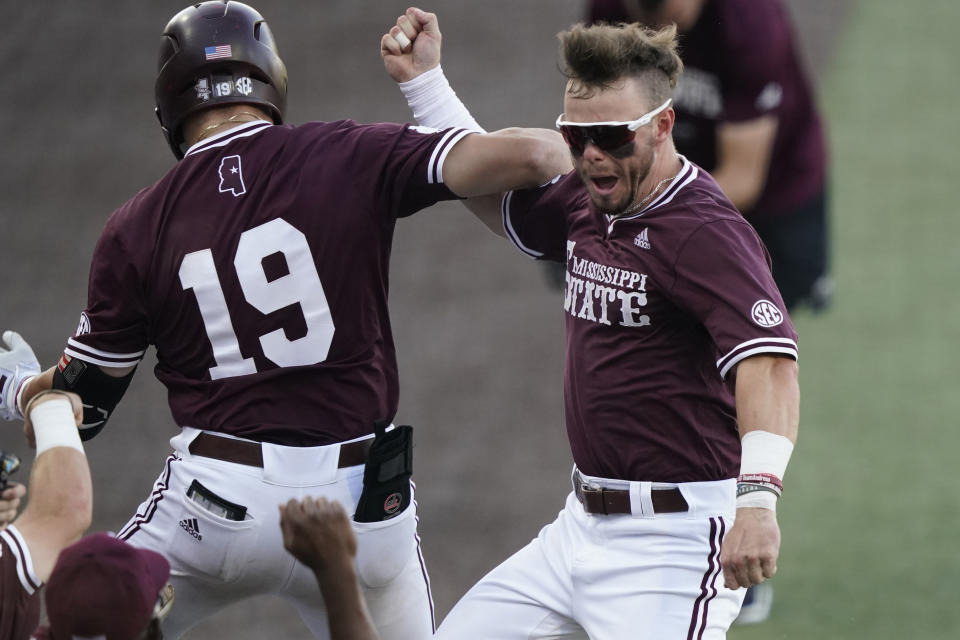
x,y
234,118
639,205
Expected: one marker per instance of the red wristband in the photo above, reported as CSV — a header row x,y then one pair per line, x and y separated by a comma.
x,y
761,478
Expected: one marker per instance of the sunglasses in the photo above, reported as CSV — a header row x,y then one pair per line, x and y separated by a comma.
x,y
607,136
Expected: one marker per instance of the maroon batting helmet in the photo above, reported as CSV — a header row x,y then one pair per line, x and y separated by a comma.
x,y
213,54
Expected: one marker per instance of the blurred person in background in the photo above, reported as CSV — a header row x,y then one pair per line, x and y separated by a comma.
x,y
746,113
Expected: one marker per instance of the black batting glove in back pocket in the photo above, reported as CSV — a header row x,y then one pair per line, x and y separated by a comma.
x,y
386,478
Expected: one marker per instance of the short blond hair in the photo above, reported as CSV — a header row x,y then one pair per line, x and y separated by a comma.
x,y
598,56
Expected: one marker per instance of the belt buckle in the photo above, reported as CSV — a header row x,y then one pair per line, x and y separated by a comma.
x,y
588,494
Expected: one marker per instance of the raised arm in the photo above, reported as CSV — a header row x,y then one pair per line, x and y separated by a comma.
x,y
480,164
318,533
61,502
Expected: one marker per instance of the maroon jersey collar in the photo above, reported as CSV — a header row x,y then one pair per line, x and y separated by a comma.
x,y
226,137
687,174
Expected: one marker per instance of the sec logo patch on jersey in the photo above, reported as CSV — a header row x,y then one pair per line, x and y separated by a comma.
x,y
766,314
83,327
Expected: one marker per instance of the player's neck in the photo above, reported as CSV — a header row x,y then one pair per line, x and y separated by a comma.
x,y
665,167
214,121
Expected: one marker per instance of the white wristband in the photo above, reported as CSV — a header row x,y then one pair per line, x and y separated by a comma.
x,y
435,104
54,425
765,452
758,500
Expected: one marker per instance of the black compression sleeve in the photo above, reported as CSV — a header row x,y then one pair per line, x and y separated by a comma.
x,y
100,393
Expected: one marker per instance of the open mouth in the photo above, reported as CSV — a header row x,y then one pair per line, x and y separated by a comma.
x,y
604,183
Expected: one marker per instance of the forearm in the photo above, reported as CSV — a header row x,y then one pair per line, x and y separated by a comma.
x,y
61,490
768,401
435,104
61,505
740,188
60,508
348,617
743,159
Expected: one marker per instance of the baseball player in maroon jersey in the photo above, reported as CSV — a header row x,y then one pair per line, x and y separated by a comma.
x,y
59,510
746,112
258,268
681,395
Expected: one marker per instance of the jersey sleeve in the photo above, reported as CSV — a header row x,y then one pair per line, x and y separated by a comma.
x,y
758,50
723,278
19,586
410,160
535,220
113,329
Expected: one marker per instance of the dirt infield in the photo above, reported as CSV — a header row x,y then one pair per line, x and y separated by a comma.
x,y
479,335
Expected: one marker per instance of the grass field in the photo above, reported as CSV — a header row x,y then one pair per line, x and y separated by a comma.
x,y
870,516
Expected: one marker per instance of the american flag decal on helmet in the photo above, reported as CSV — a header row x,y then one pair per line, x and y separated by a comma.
x,y
217,52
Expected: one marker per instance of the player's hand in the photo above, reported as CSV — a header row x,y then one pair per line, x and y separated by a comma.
x,y
318,533
751,548
17,364
412,46
10,503
45,396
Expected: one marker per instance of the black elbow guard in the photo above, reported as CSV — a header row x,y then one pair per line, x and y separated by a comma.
x,y
99,392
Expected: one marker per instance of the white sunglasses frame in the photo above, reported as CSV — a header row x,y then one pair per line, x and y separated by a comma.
x,y
632,125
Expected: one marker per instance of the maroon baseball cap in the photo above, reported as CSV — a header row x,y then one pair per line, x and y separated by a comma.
x,y
102,586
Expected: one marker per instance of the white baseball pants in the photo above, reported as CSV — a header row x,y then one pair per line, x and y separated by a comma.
x,y
611,577
217,562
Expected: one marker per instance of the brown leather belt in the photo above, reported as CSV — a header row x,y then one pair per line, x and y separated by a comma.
x,y
249,453
615,501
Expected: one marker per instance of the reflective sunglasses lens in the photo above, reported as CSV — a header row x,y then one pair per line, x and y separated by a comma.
x,y
606,137
574,137
610,137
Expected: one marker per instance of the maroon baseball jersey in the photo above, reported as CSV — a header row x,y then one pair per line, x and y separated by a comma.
x,y
258,268
660,307
19,587
741,63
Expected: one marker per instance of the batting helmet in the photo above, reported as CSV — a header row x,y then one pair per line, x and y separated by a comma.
x,y
213,54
